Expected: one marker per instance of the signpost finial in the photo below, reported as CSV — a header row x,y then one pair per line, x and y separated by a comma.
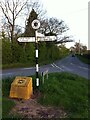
x,y
35,24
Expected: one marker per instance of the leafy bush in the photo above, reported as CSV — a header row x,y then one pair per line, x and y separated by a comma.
x,y
13,53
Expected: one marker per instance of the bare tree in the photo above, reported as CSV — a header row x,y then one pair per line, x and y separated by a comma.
x,y
64,39
84,49
53,26
11,10
56,27
78,47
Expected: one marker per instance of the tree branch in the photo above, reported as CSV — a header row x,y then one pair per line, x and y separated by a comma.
x,y
9,7
20,9
5,14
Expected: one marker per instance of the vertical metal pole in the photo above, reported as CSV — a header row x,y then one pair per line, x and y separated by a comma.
x,y
43,77
47,75
37,68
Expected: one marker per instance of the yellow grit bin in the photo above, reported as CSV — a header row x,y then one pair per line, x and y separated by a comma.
x,y
21,87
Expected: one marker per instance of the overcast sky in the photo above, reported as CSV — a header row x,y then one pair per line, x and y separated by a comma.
x,y
75,15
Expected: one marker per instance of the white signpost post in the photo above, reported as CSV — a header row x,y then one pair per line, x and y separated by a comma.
x,y
36,25
38,37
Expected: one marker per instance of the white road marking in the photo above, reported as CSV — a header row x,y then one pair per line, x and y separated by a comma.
x,y
63,67
57,66
79,66
27,68
83,67
71,63
5,73
54,65
66,68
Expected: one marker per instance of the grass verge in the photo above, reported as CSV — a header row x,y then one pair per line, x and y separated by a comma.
x,y
67,91
16,65
64,90
7,105
84,58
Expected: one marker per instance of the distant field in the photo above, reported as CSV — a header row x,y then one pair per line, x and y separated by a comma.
x,y
65,90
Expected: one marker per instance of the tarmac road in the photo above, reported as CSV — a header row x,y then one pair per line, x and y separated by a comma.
x,y
68,64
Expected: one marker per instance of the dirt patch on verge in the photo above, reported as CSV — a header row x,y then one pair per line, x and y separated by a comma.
x,y
32,109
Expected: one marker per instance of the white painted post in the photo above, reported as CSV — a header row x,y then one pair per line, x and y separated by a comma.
x,y
37,68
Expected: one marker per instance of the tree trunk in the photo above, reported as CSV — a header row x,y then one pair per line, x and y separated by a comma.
x,y
12,33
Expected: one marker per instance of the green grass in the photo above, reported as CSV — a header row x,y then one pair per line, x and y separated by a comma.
x,y
84,58
7,105
6,85
65,90
16,65
0,106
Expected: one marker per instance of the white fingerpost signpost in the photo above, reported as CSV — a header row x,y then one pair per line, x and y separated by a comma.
x,y
38,37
